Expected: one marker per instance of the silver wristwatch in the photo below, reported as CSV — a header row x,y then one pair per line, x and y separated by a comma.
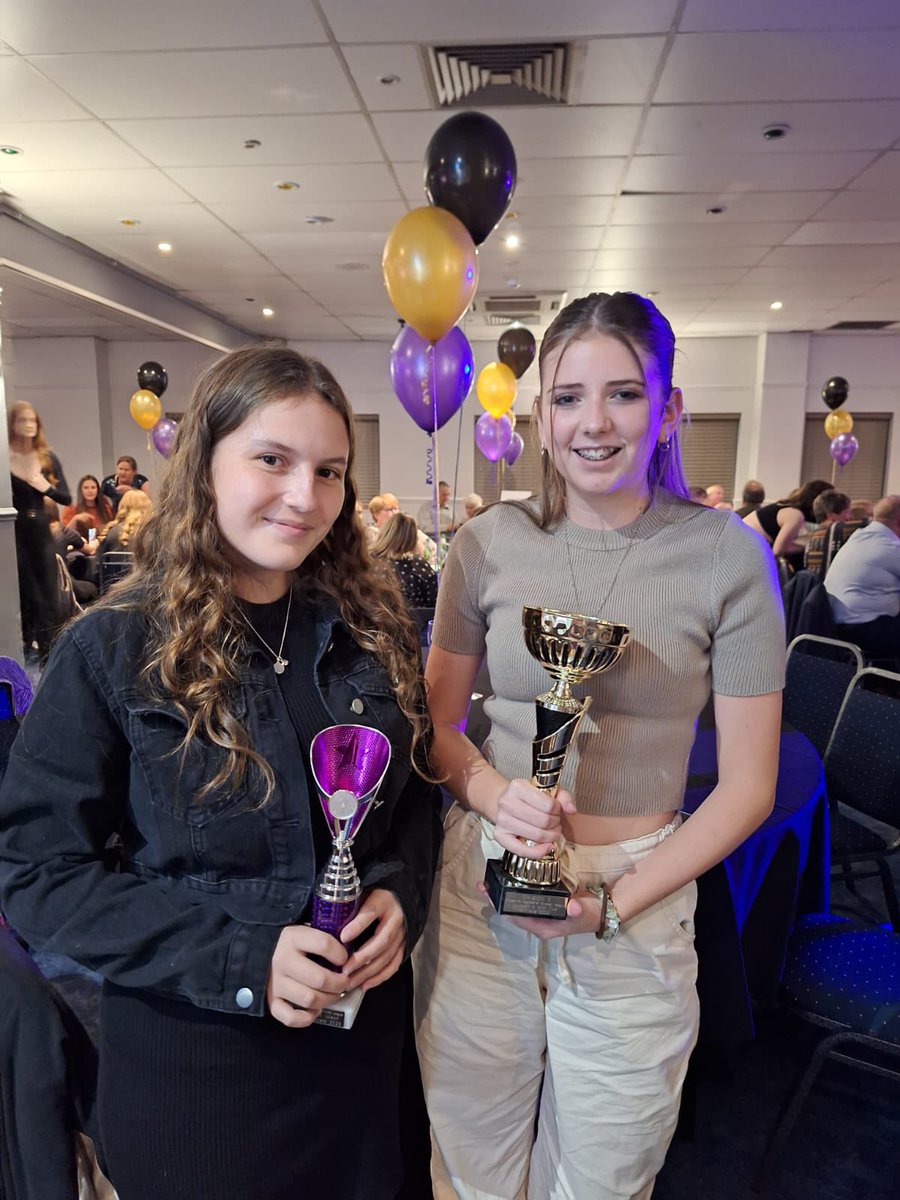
x,y
609,917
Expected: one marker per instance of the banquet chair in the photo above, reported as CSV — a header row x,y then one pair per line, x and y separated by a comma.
x,y
862,774
844,978
421,617
819,671
114,565
807,608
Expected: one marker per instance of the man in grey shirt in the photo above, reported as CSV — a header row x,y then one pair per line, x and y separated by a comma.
x,y
863,583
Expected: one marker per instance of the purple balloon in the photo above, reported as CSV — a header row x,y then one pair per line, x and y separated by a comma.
x,y
516,446
842,448
413,375
163,435
493,436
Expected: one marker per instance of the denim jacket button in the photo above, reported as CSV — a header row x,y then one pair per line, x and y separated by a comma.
x,y
243,998
357,706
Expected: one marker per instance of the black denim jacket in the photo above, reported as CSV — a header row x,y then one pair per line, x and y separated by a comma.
x,y
194,897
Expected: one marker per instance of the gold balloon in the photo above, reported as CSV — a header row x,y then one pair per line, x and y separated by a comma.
x,y
837,422
145,408
430,268
496,386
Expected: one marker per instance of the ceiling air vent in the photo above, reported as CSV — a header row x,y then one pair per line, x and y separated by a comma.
x,y
528,308
536,73
859,326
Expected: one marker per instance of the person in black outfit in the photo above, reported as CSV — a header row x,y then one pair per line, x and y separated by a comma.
x,y
36,473
782,522
126,476
397,545
172,840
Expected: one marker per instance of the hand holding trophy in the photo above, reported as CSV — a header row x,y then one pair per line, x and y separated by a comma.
x,y
572,648
349,763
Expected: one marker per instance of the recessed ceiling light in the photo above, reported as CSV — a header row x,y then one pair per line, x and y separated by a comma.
x,y
774,133
388,80
11,150
268,312
513,283
353,266
512,241
165,247
776,305
252,144
287,185
715,210
130,222
317,219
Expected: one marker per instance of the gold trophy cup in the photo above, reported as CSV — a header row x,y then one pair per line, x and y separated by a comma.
x,y
572,648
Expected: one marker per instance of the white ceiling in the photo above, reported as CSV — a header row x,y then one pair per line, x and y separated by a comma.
x,y
132,110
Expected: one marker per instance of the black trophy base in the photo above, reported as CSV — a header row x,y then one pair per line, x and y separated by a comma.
x,y
515,899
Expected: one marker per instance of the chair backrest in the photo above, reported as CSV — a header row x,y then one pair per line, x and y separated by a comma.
x,y
862,759
807,608
819,671
114,565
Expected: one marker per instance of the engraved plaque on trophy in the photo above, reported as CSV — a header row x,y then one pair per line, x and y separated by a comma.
x,y
349,763
572,648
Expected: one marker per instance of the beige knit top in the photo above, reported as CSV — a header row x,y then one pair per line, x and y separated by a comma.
x,y
698,590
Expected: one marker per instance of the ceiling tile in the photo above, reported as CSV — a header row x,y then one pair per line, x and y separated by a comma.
x,y
369,64
568,177
845,233
413,21
711,233
653,277
855,259
682,256
618,70
46,27
128,191
219,141
542,211
738,207
559,132
64,146
319,185
883,174
523,261
731,128
709,15
204,83
857,206
253,219
708,67
318,243
723,173
25,95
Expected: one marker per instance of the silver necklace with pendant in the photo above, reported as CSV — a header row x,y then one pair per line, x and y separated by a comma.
x,y
597,609
280,661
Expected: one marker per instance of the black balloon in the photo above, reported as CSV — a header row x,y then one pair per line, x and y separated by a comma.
x,y
516,348
153,378
470,170
835,392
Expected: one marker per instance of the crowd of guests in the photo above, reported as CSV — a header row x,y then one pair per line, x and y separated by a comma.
x,y
173,840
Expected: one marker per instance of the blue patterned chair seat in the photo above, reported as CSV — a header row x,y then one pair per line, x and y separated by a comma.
x,y
847,974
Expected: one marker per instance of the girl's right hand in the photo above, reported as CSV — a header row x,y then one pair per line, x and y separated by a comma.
x,y
299,988
526,814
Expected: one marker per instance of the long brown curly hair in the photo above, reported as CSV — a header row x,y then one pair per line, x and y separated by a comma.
x,y
183,579
38,442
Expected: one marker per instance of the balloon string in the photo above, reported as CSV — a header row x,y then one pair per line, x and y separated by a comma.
x,y
429,463
436,470
458,448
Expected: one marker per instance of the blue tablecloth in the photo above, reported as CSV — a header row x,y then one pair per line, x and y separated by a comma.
x,y
748,905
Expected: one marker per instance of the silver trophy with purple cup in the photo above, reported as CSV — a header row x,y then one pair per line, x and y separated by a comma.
x,y
349,763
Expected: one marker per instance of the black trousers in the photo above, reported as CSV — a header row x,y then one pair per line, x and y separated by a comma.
x,y
880,637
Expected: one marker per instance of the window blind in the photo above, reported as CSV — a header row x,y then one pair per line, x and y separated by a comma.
x,y
863,477
367,468
709,451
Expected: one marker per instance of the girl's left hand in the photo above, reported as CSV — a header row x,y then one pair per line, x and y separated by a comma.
x,y
582,916
380,957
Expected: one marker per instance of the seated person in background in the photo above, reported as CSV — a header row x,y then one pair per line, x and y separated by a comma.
x,y
446,518
90,502
472,504
862,510
828,509
783,523
396,544
125,478
752,497
863,583
697,494
381,509
134,508
715,495
72,548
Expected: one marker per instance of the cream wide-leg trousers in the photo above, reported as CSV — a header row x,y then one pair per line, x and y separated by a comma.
x,y
589,1040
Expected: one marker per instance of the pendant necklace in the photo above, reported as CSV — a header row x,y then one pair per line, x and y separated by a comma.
x,y
598,609
280,661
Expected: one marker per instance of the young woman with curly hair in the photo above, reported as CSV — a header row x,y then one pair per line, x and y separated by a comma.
x,y
174,842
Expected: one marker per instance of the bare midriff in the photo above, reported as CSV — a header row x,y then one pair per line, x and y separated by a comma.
x,y
587,830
